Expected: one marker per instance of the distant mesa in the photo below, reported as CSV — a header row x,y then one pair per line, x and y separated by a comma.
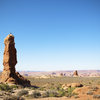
x,y
75,74
9,74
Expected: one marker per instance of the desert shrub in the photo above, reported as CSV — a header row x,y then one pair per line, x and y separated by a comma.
x,y
70,92
96,96
76,96
4,87
94,88
98,83
44,94
51,93
54,93
35,94
13,86
22,92
13,98
32,88
63,80
90,83
42,88
89,93
61,92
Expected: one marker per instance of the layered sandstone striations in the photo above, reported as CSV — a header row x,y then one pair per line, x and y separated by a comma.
x,y
9,74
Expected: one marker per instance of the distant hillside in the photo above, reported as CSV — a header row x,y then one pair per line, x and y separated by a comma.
x,y
82,73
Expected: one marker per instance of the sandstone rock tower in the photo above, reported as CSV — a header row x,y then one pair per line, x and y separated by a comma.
x,y
75,73
9,74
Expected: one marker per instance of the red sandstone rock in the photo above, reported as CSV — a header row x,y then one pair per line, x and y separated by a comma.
x,y
9,74
66,86
75,73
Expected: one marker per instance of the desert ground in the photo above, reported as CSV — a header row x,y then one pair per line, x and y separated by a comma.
x,y
54,88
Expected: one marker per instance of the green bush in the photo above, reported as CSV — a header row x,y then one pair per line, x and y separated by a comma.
x,y
96,96
61,92
70,92
36,94
13,98
51,93
4,87
13,86
22,92
94,88
42,88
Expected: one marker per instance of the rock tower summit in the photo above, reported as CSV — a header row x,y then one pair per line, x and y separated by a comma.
x,y
9,74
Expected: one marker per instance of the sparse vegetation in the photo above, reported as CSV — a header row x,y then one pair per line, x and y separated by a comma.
x,y
5,87
61,92
22,92
62,80
94,88
35,94
96,96
70,92
13,98
76,96
13,86
51,93
89,93
52,88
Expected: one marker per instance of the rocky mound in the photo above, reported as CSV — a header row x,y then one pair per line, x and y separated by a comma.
x,y
66,86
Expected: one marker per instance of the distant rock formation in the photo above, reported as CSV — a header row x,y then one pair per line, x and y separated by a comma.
x,y
61,74
75,73
9,74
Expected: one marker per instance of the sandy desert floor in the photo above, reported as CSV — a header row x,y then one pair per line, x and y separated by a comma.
x,y
89,91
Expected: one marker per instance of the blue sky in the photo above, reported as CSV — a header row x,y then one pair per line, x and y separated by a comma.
x,y
52,34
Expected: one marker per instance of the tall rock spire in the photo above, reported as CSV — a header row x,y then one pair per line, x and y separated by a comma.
x,y
9,58
9,74
75,73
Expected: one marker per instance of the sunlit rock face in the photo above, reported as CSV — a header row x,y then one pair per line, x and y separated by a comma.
x,y
9,74
75,73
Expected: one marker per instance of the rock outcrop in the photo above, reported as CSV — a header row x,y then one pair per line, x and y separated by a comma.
x,y
75,73
9,74
66,86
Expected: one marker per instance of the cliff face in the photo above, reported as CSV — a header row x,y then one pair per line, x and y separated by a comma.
x,y
9,74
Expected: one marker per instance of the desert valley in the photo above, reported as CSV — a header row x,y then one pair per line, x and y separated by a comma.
x,y
49,49
53,85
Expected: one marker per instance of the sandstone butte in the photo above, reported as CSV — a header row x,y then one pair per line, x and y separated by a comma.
x,y
9,74
75,73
